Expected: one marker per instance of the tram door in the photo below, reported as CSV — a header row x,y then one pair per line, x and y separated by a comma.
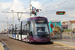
x,y
28,30
17,31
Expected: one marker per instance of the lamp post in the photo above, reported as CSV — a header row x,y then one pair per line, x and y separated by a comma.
x,y
13,16
3,27
30,7
71,32
7,25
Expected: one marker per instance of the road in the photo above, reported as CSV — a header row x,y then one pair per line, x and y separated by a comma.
x,y
19,45
68,37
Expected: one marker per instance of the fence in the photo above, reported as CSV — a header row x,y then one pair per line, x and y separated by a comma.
x,y
67,36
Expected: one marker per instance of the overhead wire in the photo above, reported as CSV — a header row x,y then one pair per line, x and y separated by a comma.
x,y
26,9
10,5
31,5
40,6
44,10
55,5
45,3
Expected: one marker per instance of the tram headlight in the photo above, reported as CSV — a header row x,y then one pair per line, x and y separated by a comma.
x,y
48,39
48,36
37,40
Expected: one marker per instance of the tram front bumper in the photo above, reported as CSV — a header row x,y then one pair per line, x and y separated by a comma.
x,y
40,39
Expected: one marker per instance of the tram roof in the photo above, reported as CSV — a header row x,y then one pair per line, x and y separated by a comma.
x,y
34,18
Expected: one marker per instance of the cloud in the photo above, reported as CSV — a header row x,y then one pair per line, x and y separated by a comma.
x,y
68,5
17,6
71,13
4,5
36,4
24,16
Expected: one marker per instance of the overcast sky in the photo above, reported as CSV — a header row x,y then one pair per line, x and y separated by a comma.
x,y
48,7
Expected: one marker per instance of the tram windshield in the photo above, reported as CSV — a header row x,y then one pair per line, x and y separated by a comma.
x,y
41,29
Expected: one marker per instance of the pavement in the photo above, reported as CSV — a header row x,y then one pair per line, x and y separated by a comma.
x,y
1,46
64,43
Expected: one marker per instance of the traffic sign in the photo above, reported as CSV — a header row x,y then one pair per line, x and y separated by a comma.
x,y
60,12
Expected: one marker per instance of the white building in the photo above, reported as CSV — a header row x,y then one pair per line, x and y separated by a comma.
x,y
72,24
69,24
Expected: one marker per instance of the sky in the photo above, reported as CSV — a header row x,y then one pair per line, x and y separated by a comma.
x,y
48,7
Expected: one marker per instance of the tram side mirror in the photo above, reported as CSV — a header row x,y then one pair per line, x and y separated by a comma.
x,y
30,33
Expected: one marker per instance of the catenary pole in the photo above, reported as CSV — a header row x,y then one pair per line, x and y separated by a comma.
x,y
30,7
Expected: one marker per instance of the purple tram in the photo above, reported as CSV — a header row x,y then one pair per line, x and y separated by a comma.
x,y
34,29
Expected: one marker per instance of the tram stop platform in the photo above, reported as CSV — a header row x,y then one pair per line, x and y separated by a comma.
x,y
1,46
64,43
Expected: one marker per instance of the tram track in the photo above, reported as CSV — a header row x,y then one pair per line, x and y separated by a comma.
x,y
26,46
30,46
19,45
5,45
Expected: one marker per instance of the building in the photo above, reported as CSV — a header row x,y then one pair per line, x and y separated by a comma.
x,y
72,24
68,24
65,25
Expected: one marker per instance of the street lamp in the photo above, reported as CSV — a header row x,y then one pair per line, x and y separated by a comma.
x,y
13,16
7,25
30,7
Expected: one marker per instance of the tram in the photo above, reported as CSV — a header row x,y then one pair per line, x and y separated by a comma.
x,y
34,29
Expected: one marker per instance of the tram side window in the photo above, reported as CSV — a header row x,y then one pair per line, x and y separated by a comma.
x,y
28,28
13,31
31,28
9,31
25,29
18,29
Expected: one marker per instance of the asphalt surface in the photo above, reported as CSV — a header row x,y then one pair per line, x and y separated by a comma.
x,y
19,45
68,37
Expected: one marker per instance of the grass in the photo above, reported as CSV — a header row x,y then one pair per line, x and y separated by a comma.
x,y
66,30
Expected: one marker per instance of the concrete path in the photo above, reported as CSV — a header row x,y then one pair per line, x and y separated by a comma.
x,y
64,43
1,46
